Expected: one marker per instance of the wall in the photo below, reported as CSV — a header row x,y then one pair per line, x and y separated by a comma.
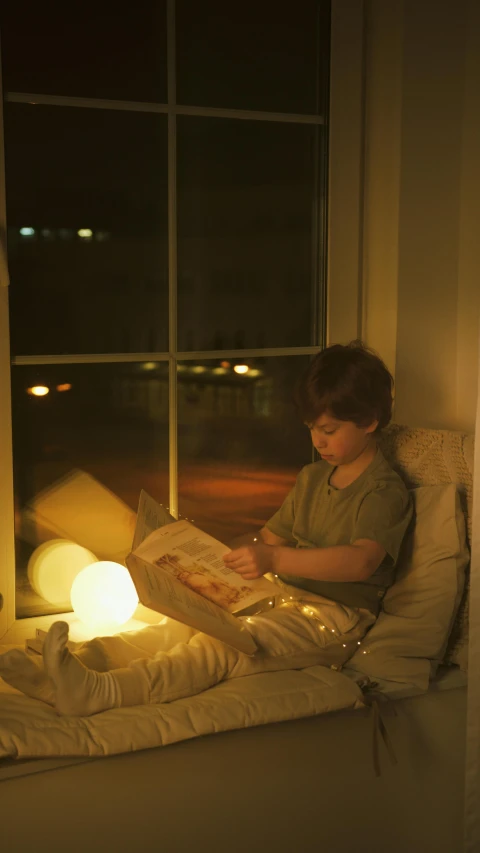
x,y
421,204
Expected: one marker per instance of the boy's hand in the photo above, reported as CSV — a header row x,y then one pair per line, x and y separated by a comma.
x,y
251,561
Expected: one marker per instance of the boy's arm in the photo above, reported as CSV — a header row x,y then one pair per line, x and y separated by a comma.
x,y
382,521
354,562
270,538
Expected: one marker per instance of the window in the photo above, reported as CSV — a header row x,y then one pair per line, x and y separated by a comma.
x,y
166,177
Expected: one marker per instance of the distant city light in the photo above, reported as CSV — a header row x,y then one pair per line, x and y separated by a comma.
x,y
27,232
86,233
254,372
198,368
219,370
149,365
225,364
38,390
64,387
241,368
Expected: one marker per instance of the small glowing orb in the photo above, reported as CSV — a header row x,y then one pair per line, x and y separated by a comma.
x,y
86,233
38,390
198,368
27,232
103,594
254,372
53,567
224,364
241,368
149,365
219,370
64,387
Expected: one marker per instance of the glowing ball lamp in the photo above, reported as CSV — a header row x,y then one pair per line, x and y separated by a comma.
x,y
53,567
103,595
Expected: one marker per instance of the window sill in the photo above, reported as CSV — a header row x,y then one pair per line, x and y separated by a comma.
x,y
24,629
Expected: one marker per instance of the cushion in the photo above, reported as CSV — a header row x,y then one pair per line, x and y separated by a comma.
x,y
433,457
409,638
31,728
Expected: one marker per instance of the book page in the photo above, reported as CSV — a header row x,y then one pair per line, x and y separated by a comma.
x,y
160,591
150,516
195,559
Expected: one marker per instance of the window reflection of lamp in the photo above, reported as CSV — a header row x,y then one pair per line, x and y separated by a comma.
x,y
53,567
241,368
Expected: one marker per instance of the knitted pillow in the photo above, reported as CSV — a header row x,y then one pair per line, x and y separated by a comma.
x,y
409,639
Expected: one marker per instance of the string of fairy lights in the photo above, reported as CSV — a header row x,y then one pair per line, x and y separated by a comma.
x,y
286,602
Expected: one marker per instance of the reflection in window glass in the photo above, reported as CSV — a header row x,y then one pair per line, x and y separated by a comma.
x,y
89,51
87,439
87,225
246,233
261,56
241,442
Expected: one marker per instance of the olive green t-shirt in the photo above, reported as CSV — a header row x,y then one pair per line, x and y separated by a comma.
x,y
315,514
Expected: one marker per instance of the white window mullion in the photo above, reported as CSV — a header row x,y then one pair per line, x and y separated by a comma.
x,y
146,107
172,262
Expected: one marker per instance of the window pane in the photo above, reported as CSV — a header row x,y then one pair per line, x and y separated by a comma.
x,y
261,56
241,442
246,234
93,51
87,226
100,427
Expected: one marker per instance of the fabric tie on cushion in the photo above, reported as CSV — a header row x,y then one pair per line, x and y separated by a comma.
x,y
373,699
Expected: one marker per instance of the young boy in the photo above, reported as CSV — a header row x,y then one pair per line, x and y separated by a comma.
x,y
331,548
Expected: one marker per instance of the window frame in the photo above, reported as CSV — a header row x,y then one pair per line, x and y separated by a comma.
x,y
342,298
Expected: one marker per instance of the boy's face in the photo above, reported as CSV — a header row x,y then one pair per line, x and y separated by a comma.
x,y
340,442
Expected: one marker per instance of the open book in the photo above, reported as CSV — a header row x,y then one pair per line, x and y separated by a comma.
x,y
178,571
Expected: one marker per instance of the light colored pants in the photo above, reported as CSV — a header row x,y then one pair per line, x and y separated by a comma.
x,y
169,661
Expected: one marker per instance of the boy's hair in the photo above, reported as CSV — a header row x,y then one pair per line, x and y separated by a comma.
x,y
350,382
